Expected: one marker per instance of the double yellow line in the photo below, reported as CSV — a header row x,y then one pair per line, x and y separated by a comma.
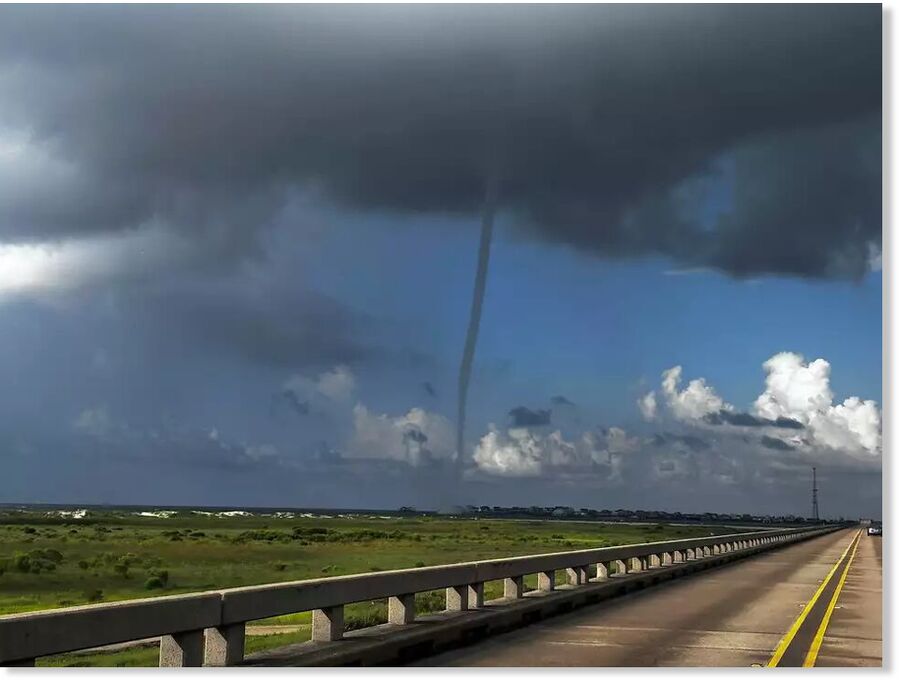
x,y
812,654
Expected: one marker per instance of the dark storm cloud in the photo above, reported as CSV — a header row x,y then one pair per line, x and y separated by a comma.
x,y
561,400
746,419
775,443
745,138
414,440
414,435
694,443
290,397
787,423
172,445
269,327
326,454
523,417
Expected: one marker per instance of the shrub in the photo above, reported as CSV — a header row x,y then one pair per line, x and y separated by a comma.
x,y
94,595
419,564
161,575
121,569
52,555
130,559
83,565
107,558
262,535
21,562
154,582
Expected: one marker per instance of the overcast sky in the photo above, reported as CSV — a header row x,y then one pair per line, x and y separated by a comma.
x,y
237,247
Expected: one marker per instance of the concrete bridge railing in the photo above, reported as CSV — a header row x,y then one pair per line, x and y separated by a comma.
x,y
208,628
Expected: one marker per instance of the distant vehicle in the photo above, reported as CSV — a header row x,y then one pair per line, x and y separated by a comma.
x,y
875,530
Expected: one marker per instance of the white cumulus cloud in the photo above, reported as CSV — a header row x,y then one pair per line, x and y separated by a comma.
x,y
415,437
648,406
337,385
519,454
530,452
53,267
794,389
801,391
696,401
796,411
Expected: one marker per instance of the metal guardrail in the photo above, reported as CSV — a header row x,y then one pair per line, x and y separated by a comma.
x,y
209,628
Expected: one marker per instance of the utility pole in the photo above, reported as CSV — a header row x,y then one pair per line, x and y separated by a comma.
x,y
814,494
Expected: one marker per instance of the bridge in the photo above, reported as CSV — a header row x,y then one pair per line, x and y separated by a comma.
x,y
785,597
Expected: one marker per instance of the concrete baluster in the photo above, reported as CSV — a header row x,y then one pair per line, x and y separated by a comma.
x,y
577,575
602,571
225,644
546,581
513,588
476,595
327,624
401,609
457,598
181,650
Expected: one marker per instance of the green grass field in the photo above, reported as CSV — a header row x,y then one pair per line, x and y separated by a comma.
x,y
50,561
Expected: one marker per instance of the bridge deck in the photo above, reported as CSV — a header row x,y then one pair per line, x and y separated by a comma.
x,y
735,616
854,635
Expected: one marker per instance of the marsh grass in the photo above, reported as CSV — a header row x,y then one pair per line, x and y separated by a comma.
x,y
122,556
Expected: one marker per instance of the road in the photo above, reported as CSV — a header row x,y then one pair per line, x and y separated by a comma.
x,y
749,613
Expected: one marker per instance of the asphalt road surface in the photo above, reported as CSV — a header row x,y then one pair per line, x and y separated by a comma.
x,y
817,603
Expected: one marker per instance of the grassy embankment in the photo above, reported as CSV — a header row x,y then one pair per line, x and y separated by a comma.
x,y
49,562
